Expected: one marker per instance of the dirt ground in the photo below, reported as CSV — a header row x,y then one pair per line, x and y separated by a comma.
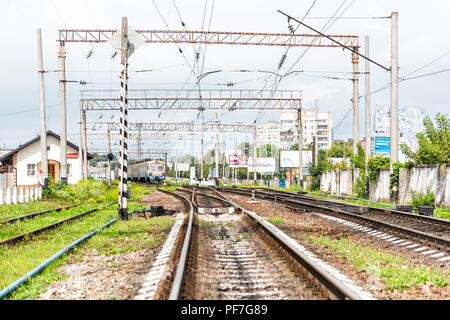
x,y
300,225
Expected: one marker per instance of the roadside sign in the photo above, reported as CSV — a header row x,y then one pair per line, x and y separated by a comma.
x,y
282,184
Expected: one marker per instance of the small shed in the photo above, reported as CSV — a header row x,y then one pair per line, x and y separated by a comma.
x,y
24,162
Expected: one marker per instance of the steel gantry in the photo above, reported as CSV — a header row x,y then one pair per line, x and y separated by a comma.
x,y
205,37
166,99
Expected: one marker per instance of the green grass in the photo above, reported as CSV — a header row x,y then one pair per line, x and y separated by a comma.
x,y
276,220
9,211
22,226
17,260
442,213
395,272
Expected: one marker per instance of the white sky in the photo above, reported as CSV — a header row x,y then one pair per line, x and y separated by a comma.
x,y
423,37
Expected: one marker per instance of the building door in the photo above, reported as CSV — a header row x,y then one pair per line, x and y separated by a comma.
x,y
51,171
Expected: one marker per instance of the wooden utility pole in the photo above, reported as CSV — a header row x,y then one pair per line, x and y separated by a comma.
x,y
62,112
123,191
367,100
43,129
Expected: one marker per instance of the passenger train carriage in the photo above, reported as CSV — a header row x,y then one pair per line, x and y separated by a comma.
x,y
148,171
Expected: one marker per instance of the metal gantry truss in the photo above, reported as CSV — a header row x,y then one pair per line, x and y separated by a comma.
x,y
213,37
176,127
167,99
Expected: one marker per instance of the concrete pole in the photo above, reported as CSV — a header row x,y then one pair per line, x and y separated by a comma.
x,y
80,147
216,153
300,147
85,163
43,129
367,100
62,112
254,155
123,205
316,129
201,164
109,161
394,88
355,102
175,165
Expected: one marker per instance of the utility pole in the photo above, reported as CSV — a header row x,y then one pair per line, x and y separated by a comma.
x,y
316,129
109,160
201,165
123,192
367,100
62,111
85,163
216,153
300,146
394,88
254,155
176,164
139,149
43,129
80,147
355,102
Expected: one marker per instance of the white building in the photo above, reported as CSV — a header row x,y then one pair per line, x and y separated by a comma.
x,y
289,129
24,162
268,133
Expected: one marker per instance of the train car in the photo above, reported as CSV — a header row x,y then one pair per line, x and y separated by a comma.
x,y
152,171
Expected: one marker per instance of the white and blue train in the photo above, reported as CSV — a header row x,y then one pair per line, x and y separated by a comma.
x,y
152,171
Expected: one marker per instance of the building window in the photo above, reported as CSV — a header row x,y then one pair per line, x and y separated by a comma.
x,y
69,170
31,169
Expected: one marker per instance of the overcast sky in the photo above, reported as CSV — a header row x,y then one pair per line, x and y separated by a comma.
x,y
423,37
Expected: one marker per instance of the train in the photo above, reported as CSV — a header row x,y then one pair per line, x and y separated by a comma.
x,y
152,171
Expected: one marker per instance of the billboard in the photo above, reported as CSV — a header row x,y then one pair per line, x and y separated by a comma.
x,y
237,161
182,167
263,165
382,146
289,158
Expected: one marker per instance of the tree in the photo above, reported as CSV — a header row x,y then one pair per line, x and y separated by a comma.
x,y
434,142
308,147
322,165
359,161
340,150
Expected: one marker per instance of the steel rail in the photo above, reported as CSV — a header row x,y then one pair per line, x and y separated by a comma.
x,y
423,237
20,237
178,283
31,215
332,285
442,224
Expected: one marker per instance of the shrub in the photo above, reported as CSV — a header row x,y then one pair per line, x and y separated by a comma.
x,y
422,199
360,186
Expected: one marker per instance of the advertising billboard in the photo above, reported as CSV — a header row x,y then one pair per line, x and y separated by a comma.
x,y
289,158
237,161
182,167
263,165
382,146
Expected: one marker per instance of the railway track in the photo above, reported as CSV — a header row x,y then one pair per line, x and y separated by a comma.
x,y
35,214
240,256
428,231
30,234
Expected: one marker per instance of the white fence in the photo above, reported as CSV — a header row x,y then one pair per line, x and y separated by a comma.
x,y
12,195
341,182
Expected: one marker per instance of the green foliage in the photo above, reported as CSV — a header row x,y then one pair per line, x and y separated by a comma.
x,y
86,190
322,165
360,185
395,173
375,164
434,142
422,199
340,150
359,161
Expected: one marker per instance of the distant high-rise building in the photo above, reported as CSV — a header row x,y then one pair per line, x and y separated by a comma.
x,y
289,129
268,133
